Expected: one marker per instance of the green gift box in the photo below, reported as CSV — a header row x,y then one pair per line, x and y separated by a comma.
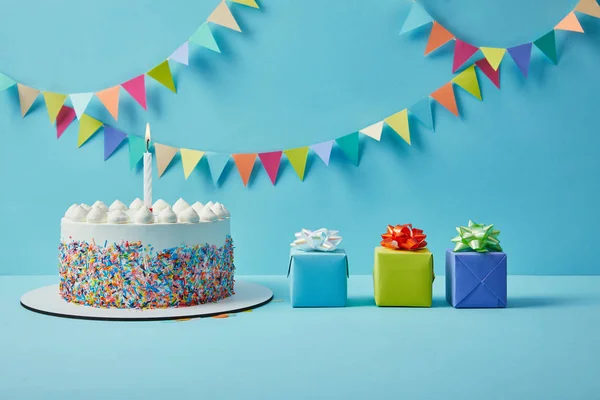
x,y
403,278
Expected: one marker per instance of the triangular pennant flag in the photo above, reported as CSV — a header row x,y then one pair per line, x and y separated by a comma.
x,y
65,117
462,52
110,98
270,162
323,150
249,3
569,23
493,55
416,18
189,159
164,156
216,164
137,148
486,68
373,131
87,127
547,45
222,16
80,102
27,96
399,123
297,157
468,81
589,7
245,164
204,37
182,54
349,145
162,73
521,55
438,37
6,82
112,139
54,103
136,87
445,96
422,110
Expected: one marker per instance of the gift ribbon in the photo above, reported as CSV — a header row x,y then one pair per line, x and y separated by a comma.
x,y
477,237
319,240
403,237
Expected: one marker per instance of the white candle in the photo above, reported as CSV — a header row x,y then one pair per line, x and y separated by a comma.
x,y
148,171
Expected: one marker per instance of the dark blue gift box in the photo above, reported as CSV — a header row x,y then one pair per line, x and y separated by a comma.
x,y
476,280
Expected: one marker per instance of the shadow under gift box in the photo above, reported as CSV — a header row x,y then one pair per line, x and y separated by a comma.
x,y
318,279
403,278
476,280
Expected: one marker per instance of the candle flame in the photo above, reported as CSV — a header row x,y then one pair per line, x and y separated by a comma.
x,y
147,132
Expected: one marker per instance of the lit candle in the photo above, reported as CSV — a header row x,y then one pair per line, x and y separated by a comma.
x,y
148,171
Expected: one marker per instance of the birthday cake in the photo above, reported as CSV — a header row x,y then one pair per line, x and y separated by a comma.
x,y
144,258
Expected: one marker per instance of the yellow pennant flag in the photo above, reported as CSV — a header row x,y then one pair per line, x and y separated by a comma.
x,y
493,55
399,123
87,127
189,159
222,16
297,158
249,3
27,96
164,156
54,102
468,81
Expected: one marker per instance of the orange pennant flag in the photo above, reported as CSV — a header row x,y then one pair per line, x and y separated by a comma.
x,y
110,98
245,164
438,37
222,16
445,96
570,23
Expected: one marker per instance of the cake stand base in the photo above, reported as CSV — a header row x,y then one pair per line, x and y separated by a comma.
x,y
47,300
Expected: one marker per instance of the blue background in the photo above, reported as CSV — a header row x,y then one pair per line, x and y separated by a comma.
x,y
304,72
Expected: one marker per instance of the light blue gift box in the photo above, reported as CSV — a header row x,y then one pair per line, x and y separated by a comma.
x,y
318,279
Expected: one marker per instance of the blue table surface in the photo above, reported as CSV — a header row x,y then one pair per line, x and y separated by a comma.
x,y
544,346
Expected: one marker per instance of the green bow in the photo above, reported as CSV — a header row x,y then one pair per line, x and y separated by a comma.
x,y
477,237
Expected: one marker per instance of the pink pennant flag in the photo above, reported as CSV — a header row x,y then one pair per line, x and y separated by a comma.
x,y
270,162
137,89
66,115
462,52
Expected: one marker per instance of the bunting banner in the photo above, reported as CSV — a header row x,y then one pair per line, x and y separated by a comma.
x,y
203,37
418,17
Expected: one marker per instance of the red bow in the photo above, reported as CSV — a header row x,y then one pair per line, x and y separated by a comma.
x,y
403,237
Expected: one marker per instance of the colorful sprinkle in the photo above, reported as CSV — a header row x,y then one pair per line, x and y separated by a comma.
x,y
130,275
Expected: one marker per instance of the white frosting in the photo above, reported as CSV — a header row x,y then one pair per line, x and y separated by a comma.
x,y
136,204
71,209
77,214
226,211
218,210
197,206
188,216
209,204
100,205
159,205
207,215
167,216
118,217
143,216
180,206
96,215
86,207
117,205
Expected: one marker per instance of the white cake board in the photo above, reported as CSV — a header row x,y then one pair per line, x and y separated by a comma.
x,y
47,300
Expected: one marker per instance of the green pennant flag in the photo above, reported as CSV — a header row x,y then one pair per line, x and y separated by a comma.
x,y
204,37
468,81
87,127
162,73
547,45
298,159
6,82
349,145
137,148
